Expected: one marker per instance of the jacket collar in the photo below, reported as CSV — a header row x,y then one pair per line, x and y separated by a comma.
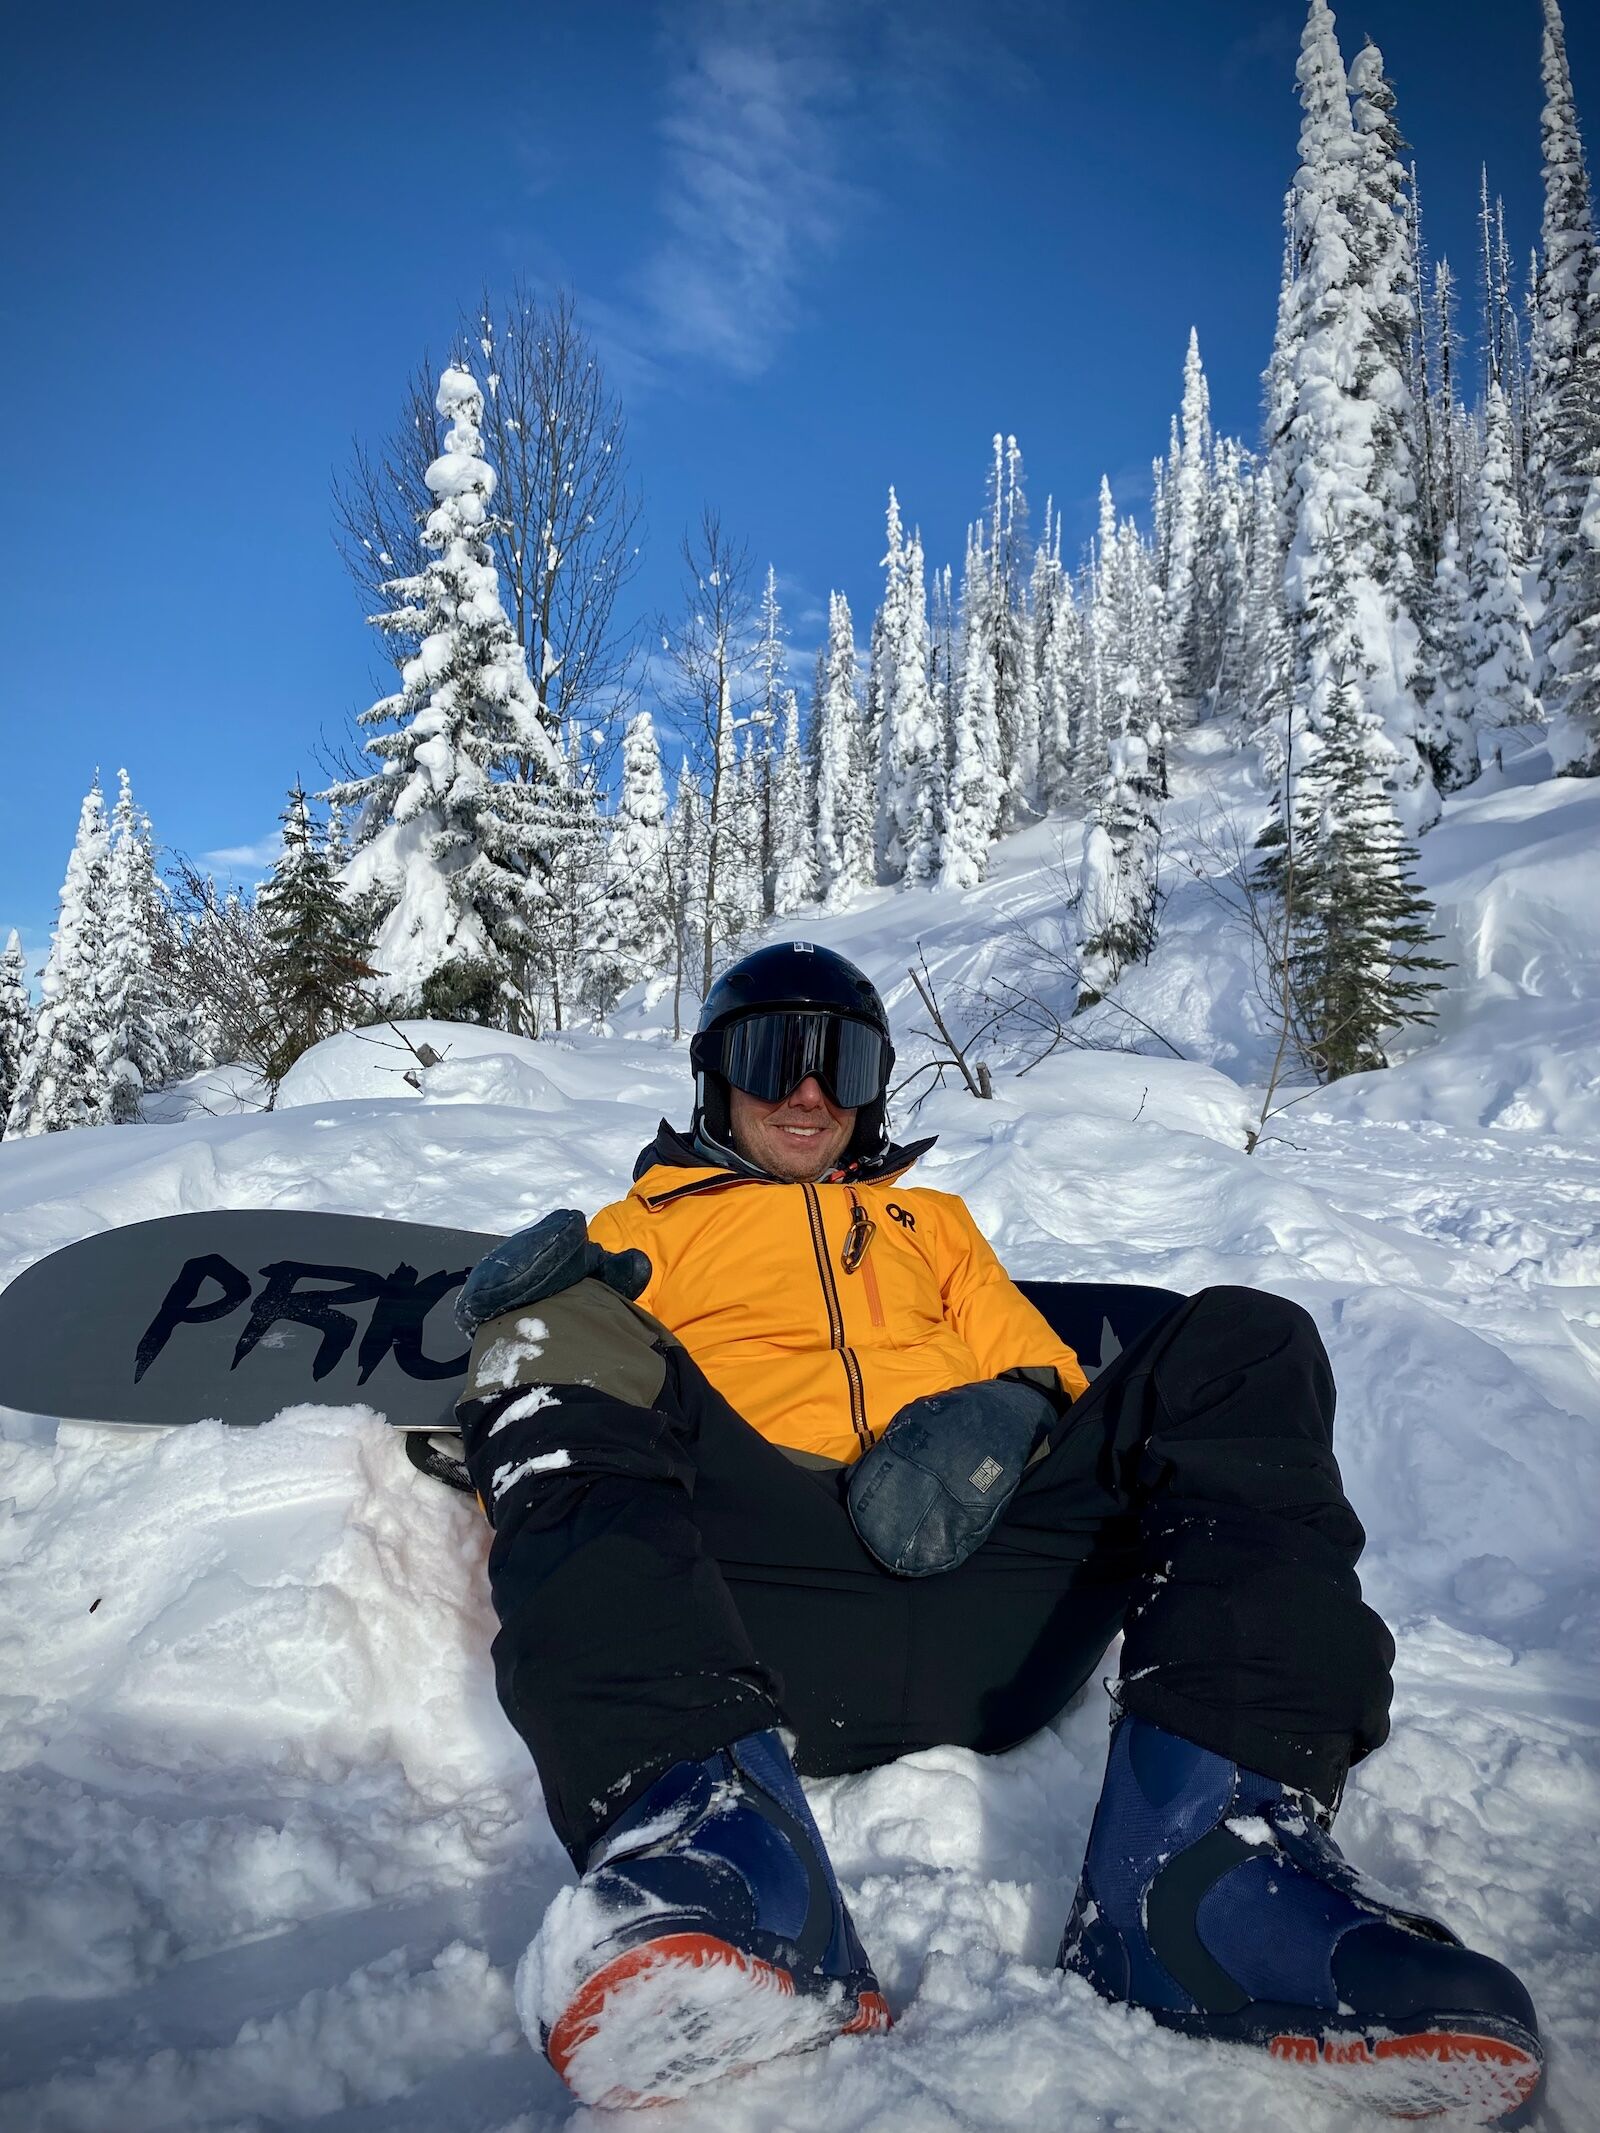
x,y
676,1152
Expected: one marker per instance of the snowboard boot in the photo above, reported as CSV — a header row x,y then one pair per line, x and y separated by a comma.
x,y
706,1935
1212,1899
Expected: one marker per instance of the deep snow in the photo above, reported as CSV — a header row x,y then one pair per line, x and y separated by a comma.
x,y
268,1851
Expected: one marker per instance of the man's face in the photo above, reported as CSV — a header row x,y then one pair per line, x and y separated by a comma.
x,y
797,1140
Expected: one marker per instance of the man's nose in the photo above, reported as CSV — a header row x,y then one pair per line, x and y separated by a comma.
x,y
807,1095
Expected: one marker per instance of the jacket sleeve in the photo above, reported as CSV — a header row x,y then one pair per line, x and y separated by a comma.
x,y
623,1227
989,1311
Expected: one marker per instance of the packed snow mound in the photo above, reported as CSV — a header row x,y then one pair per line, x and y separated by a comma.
x,y
1514,872
1141,1089
480,1066
386,1061
215,1092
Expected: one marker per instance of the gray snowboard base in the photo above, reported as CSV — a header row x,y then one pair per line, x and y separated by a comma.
x,y
238,1314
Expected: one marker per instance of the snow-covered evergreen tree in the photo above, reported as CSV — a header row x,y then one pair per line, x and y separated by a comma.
x,y
1336,857
1058,661
1118,880
772,666
794,825
572,949
911,767
686,874
1127,627
844,781
1358,925
1342,458
745,868
977,786
137,1052
637,871
16,1024
1003,608
1564,415
1268,651
457,829
1188,503
1565,326
1500,653
1382,223
62,1083
1449,728
1221,596
314,965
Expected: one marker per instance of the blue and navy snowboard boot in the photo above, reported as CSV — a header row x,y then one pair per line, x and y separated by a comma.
x,y
1213,1900
706,1935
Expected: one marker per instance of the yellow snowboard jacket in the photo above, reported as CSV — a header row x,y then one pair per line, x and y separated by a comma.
x,y
818,1311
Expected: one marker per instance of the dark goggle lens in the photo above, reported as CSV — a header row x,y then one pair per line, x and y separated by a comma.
x,y
768,1056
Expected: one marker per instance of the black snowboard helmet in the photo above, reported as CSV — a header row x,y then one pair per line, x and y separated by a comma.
x,y
783,1013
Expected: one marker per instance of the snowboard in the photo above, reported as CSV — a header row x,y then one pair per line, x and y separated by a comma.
x,y
237,1314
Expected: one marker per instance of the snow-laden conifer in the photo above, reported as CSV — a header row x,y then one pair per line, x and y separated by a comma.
x,y
1189,500
794,826
137,1022
882,642
1130,645
314,965
1118,879
1344,482
456,831
844,808
911,768
1564,420
1335,857
637,871
16,1023
1499,651
1268,647
888,627
977,785
1217,631
745,870
569,957
1449,728
62,1083
1381,219
1058,665
772,668
1279,388
943,663
1003,608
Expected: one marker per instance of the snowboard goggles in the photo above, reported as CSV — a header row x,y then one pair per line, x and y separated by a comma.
x,y
769,1055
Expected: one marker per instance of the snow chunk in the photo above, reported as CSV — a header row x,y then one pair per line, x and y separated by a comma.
x,y
507,1477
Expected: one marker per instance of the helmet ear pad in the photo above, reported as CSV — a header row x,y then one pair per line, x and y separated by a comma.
x,y
713,1109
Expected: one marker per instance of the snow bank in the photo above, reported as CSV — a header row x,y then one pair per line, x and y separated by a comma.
x,y
1515,878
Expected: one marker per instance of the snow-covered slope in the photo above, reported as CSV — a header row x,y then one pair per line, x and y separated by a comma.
x,y
268,1851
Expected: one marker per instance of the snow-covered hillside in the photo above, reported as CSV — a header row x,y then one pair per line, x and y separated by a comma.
x,y
268,1850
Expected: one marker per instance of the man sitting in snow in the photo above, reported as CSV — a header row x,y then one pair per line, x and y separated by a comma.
x,y
785,1473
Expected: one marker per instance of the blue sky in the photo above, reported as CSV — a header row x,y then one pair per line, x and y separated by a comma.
x,y
823,247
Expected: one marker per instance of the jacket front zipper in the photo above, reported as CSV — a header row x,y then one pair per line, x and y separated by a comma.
x,y
835,1311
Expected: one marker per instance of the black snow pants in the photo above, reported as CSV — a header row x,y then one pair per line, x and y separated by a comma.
x,y
666,1580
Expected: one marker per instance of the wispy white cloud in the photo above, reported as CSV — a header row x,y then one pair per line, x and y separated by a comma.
x,y
781,127
244,858
754,197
